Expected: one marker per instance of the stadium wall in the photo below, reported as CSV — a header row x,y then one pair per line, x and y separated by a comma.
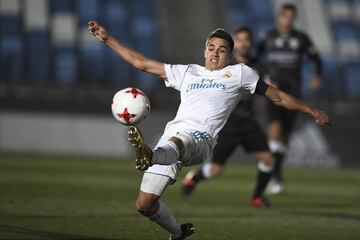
x,y
71,134
75,134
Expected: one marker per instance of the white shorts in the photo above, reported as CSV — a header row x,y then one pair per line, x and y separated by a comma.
x,y
155,184
197,148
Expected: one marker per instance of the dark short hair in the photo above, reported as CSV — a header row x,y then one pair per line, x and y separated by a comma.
x,y
290,7
242,29
221,33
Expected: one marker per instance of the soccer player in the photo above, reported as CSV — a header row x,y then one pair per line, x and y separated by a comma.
x,y
241,129
284,48
208,96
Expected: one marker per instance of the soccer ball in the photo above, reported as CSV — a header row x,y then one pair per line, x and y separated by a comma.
x,y
130,106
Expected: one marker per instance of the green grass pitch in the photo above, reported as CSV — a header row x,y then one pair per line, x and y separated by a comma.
x,y
53,197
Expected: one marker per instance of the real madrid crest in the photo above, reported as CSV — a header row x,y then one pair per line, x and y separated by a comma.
x,y
227,74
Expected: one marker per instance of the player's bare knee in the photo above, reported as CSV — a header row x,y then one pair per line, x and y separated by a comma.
x,y
179,144
146,208
216,170
146,205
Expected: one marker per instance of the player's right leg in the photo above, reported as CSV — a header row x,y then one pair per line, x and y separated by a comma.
x,y
142,150
167,152
149,204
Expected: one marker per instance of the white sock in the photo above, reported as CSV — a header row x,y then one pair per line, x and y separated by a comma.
x,y
264,168
165,154
166,220
277,146
206,170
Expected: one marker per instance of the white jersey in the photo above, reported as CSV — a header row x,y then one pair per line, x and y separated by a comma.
x,y
208,97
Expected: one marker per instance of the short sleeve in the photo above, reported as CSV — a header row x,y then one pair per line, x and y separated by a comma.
x,y
175,75
249,79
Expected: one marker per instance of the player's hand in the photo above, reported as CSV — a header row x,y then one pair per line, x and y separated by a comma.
x,y
315,83
321,118
98,31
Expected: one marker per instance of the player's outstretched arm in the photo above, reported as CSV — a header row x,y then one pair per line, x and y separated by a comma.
x,y
136,59
285,100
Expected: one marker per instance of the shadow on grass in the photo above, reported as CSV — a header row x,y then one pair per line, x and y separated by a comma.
x,y
335,215
46,234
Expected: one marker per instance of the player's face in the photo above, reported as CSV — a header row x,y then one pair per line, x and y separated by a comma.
x,y
242,43
286,19
217,54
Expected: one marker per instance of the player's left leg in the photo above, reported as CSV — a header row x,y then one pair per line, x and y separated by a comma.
x,y
181,148
149,205
265,168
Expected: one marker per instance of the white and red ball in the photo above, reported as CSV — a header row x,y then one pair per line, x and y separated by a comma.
x,y
130,106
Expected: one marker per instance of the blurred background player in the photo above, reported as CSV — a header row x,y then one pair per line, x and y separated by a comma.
x,y
284,48
241,129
